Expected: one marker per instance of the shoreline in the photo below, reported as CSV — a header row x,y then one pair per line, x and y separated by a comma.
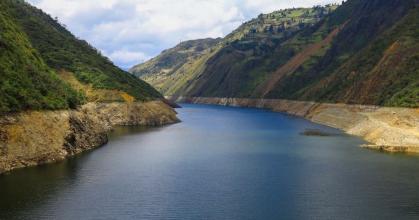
x,y
386,129
39,137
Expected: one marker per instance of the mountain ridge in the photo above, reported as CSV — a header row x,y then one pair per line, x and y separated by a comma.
x,y
262,33
362,52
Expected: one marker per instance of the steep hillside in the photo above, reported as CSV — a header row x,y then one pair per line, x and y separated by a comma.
x,y
35,47
373,60
168,63
245,51
170,60
26,82
44,67
364,52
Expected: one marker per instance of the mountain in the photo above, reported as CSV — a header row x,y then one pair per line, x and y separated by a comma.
x,y
362,52
254,40
25,80
44,66
373,59
169,62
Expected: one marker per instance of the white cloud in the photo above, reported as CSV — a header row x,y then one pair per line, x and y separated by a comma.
x,y
125,57
130,31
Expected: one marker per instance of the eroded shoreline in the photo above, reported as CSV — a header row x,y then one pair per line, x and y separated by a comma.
x,y
387,129
39,137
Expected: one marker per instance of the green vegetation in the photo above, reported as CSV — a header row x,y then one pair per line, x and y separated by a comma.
x,y
173,69
169,61
34,47
366,63
362,52
244,57
25,81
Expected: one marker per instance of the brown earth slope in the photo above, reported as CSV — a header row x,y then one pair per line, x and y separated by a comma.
x,y
32,138
294,63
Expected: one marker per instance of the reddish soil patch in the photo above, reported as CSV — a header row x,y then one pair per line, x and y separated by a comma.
x,y
295,62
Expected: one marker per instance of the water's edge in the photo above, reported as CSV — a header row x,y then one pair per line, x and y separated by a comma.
x,y
387,129
39,137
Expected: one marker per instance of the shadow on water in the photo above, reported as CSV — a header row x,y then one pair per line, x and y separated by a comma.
x,y
124,131
27,188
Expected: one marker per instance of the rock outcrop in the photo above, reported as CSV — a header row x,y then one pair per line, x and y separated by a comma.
x,y
38,137
387,129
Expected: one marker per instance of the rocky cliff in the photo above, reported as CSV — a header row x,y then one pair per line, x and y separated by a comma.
x,y
38,137
388,129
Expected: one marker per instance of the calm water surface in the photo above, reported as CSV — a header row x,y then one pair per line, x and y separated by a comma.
x,y
219,163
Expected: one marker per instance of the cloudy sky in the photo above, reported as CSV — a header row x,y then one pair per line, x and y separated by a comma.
x,y
132,31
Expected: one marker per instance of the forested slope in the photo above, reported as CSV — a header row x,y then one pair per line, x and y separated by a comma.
x,y
36,51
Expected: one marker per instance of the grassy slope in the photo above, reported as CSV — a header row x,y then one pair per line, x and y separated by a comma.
x,y
169,61
256,57
374,59
26,82
62,51
364,52
173,67
248,48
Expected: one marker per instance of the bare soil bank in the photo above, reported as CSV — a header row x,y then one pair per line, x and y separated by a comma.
x,y
38,137
387,129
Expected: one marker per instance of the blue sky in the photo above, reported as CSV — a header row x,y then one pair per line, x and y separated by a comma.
x,y
132,31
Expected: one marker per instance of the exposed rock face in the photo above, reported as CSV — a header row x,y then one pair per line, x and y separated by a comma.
x,y
32,138
388,129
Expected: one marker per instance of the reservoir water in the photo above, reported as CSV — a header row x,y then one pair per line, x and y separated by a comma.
x,y
219,163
